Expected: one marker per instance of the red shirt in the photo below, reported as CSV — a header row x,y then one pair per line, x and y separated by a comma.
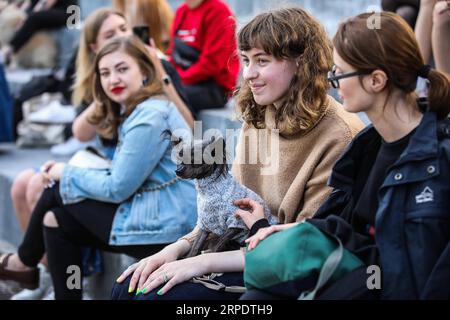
x,y
210,28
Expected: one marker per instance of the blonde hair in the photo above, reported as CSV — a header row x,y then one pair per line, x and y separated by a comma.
x,y
85,57
107,115
157,14
289,33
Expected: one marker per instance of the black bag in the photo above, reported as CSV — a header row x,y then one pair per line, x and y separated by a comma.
x,y
183,54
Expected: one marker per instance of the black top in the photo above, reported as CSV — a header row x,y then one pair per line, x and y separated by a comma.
x,y
364,211
367,204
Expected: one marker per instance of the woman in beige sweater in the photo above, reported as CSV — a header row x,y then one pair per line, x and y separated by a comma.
x,y
292,135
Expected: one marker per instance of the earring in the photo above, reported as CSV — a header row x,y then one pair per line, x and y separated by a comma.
x,y
145,82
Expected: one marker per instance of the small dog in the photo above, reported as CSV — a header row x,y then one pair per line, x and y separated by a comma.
x,y
39,52
216,192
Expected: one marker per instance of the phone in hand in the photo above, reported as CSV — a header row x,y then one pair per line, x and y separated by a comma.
x,y
143,33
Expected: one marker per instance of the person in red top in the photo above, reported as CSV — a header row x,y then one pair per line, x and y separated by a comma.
x,y
203,50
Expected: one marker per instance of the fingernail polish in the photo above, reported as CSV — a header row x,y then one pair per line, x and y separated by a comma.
x,y
144,290
130,290
138,292
159,293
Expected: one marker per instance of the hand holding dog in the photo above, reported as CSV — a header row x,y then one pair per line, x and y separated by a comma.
x,y
254,212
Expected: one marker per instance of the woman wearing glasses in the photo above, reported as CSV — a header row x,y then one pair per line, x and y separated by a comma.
x,y
392,182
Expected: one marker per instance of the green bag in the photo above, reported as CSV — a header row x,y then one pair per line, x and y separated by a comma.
x,y
296,253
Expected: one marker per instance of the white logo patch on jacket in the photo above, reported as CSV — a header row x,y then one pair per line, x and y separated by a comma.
x,y
426,195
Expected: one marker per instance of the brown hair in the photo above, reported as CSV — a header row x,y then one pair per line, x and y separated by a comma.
x,y
157,14
85,56
289,33
393,49
107,114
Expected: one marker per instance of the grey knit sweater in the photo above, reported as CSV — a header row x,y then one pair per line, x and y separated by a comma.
x,y
215,197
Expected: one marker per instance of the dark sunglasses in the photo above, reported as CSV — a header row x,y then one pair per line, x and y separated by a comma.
x,y
334,79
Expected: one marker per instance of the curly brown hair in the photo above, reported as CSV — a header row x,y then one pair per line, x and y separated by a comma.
x,y
290,34
107,116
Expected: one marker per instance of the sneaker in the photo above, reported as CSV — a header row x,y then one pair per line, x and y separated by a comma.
x,y
45,282
70,147
54,113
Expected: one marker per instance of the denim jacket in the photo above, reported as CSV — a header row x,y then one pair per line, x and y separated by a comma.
x,y
154,207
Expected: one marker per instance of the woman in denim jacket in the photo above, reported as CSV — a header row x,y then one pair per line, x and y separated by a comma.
x,y
134,207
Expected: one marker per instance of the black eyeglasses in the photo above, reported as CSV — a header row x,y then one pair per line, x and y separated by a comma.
x,y
334,79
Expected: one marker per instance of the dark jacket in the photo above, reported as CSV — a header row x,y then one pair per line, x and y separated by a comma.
x,y
412,224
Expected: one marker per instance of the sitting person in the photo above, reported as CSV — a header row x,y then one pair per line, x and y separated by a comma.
x,y
433,33
286,55
390,204
101,26
132,207
43,15
203,50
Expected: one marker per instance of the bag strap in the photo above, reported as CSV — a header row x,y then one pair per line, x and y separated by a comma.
x,y
329,267
160,187
209,282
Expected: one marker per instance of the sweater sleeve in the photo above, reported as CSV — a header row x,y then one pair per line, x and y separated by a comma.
x,y
217,49
316,189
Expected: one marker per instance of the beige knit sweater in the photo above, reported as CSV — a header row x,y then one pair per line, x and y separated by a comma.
x,y
299,186
292,175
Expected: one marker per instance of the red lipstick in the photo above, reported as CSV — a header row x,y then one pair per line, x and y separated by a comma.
x,y
117,90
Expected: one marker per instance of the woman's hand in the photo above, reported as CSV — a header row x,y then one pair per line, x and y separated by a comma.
x,y
263,233
55,171
254,213
142,270
173,273
44,169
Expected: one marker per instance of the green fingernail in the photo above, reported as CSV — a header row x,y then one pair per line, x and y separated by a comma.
x,y
138,292
144,290
159,293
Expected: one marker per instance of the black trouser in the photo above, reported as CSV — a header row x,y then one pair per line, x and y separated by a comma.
x,y
206,95
38,21
87,223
